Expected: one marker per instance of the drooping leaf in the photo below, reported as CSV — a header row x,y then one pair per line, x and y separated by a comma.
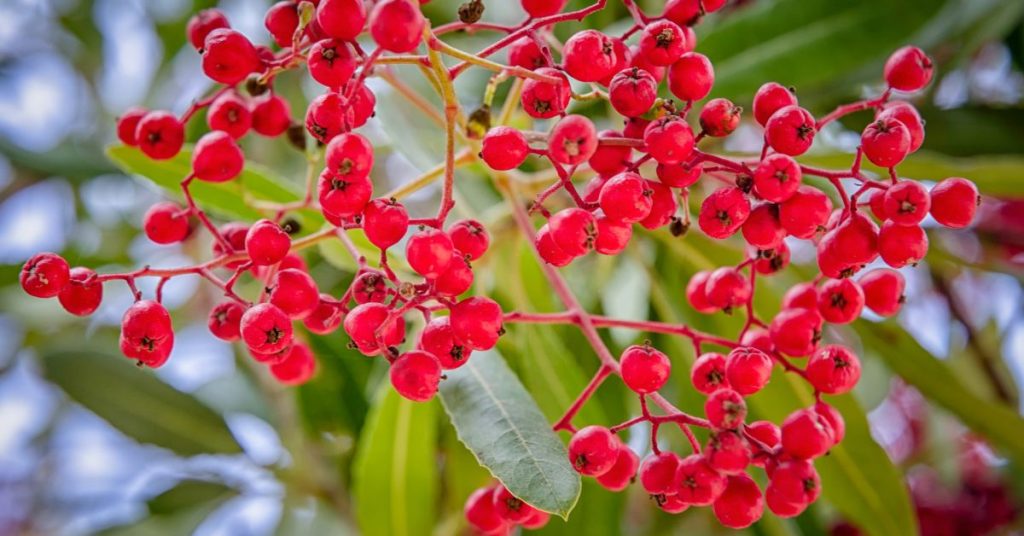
x,y
395,467
138,404
501,424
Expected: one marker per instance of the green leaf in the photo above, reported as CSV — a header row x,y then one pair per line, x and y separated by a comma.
x,y
904,356
501,424
189,494
138,404
395,467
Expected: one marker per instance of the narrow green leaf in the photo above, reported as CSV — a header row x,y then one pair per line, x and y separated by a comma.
x,y
189,494
138,404
395,467
501,424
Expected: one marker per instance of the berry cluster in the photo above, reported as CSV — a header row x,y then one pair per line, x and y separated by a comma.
x,y
765,199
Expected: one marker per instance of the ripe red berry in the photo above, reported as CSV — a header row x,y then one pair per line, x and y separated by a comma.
x,y
763,230
572,140
725,408
266,329
726,288
663,42
854,241
267,243
385,222
905,113
297,367
481,513
690,78
281,21
593,450
633,91
457,278
883,291
708,373
612,236
542,8
900,245
770,261
638,60
834,418
908,69
82,294
658,473
796,332
369,286
588,56
325,318
758,338
341,19
159,135
294,292
610,159
225,321
699,483
438,339
635,127
331,62
833,369
622,472
543,100
45,275
741,504
234,234
886,142
954,202
748,370
719,117
663,206
644,369
669,140
271,115
349,156
840,301
728,452
512,509
363,323
768,434
146,333
696,293
429,252
550,251
790,130
623,56
574,230
469,237
906,202
202,23
477,322
805,212
415,375
166,223
229,113
217,158
626,198
794,484
682,175
777,178
229,57
504,148
127,124
806,434
397,25
325,117
723,212
527,54
770,98
343,196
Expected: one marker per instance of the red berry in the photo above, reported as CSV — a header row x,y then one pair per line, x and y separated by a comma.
x,y
550,251
854,240
741,504
349,156
883,291
770,98
834,418
748,370
82,294
728,452
469,237
217,158
638,60
229,57
900,245
758,338
726,288
146,333
763,230
593,450
572,140
840,301
225,321
690,78
622,55
481,514
906,202
905,113
768,434
794,484
331,62
429,252
805,212
833,369
806,434
438,339
723,212
342,19
229,113
234,234
610,159
267,243
202,23
644,369
574,230
385,222
343,196
682,175
777,178
663,42
669,140
415,375
527,54
456,278
719,117
696,293
511,508
281,21
266,329
543,100
159,135
725,408
360,107
635,127
294,292
542,8
790,130
45,275
632,91
708,373
325,318
954,202
128,123
477,322
658,473
166,223
796,332
297,367
770,261
369,286
363,323
588,56
663,206
397,25
625,198
612,236
504,148
908,69
699,483
886,142
271,115
685,12
622,472
325,117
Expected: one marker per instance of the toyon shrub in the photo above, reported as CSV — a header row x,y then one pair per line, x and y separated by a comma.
x,y
641,174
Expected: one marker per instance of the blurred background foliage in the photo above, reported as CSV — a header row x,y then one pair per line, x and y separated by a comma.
x,y
209,445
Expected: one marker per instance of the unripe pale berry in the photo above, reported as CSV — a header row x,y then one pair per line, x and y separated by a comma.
x,y
593,450
82,294
644,369
415,375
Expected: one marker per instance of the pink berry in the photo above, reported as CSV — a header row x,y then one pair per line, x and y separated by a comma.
x,y
719,117
625,198
796,332
331,62
297,367
544,100
159,135
469,237
588,56
267,243
294,292
397,25
669,140
777,178
229,57
840,301
572,140
633,91
266,329
202,23
709,373
725,408
341,19
886,142
770,98
363,323
906,202
225,321
806,434
663,42
900,245
166,223
658,473
438,339
699,483
622,472
723,212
